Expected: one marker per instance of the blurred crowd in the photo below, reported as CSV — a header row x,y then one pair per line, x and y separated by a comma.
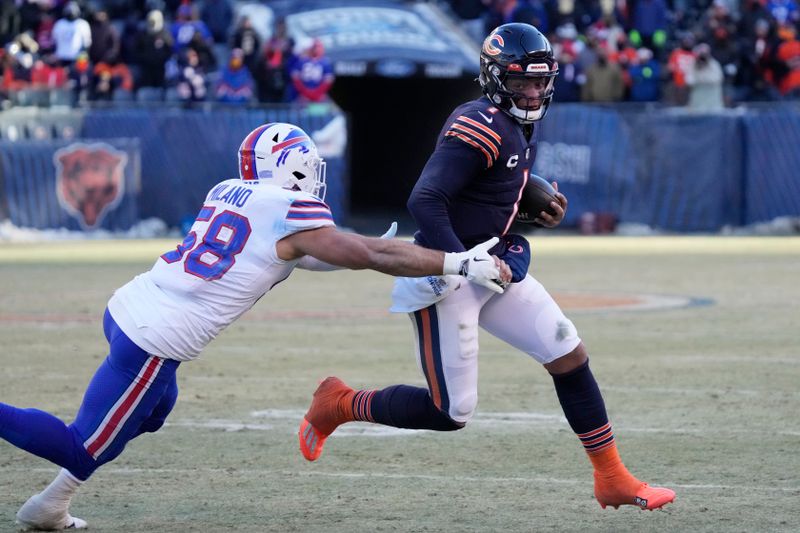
x,y
705,54
72,52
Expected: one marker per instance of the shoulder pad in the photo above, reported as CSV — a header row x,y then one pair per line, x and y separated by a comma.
x,y
476,126
308,207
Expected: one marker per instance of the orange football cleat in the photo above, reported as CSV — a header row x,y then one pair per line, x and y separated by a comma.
x,y
634,492
332,406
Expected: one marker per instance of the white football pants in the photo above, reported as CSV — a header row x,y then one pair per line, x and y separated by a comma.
x,y
525,316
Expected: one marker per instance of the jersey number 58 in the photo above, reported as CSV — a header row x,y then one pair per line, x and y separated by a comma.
x,y
216,252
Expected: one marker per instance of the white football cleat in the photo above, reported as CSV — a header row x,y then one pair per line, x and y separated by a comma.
x,y
37,515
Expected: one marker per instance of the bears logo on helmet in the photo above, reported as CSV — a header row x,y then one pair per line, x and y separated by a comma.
x,y
489,48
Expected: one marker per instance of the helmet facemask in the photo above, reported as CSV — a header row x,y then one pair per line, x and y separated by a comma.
x,y
529,97
307,172
524,96
518,71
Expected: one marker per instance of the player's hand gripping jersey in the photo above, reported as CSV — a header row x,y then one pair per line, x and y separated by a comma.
x,y
223,266
468,192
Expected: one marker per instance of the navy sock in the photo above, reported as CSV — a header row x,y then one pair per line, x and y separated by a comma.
x,y
402,406
584,408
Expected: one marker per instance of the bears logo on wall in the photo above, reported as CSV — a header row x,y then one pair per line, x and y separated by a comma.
x,y
90,181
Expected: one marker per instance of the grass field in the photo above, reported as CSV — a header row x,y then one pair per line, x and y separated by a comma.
x,y
704,396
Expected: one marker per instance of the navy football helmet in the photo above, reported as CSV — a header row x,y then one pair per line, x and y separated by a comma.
x,y
518,71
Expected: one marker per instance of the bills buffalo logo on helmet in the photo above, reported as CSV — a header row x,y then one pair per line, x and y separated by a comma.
x,y
90,181
489,47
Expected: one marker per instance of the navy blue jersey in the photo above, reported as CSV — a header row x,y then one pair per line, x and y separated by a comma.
x,y
470,187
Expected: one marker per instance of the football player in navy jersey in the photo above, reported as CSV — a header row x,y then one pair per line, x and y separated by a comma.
x,y
469,191
251,233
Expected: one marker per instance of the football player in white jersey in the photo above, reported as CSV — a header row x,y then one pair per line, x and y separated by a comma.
x,y
250,234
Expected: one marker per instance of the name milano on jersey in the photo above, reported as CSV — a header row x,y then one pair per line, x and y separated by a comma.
x,y
223,266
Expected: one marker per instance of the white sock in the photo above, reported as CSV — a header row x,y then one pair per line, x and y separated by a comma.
x,y
62,489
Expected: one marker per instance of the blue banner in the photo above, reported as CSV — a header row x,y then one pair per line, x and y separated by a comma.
x,y
667,169
78,185
588,151
691,176
185,152
772,187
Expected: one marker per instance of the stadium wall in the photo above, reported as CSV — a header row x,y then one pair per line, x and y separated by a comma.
x,y
665,168
179,154
671,169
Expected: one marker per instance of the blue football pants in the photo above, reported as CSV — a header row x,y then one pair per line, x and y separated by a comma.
x,y
131,393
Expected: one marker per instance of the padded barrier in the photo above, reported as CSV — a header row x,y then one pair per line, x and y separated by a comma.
x,y
669,169
76,185
185,152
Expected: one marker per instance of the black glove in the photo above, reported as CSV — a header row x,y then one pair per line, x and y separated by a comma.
x,y
517,256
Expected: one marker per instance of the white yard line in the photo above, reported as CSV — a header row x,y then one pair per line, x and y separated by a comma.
x,y
385,475
287,418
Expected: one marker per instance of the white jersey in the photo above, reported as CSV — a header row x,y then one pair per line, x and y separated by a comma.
x,y
71,37
224,265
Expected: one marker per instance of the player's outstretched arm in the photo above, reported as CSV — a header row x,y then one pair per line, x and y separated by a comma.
x,y
390,256
308,262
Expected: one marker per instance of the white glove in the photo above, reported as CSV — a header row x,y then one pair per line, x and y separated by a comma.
x,y
391,232
476,265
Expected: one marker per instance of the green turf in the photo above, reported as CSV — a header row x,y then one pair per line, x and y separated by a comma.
x,y
703,398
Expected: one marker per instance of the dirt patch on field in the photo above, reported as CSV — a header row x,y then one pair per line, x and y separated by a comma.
x,y
572,301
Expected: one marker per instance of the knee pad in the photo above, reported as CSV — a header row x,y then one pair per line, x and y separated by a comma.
x,y
464,408
468,340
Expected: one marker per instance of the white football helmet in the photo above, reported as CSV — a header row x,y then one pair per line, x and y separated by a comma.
x,y
282,155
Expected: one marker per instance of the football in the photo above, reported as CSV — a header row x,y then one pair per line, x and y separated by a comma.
x,y
536,197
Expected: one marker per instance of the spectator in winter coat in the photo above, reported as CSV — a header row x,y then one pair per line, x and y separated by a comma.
x,y
186,26
153,50
204,52
784,11
604,81
235,85
105,40
681,59
108,76
311,75
245,37
189,77
80,78
72,34
705,78
755,79
570,78
47,73
272,69
788,56
645,73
